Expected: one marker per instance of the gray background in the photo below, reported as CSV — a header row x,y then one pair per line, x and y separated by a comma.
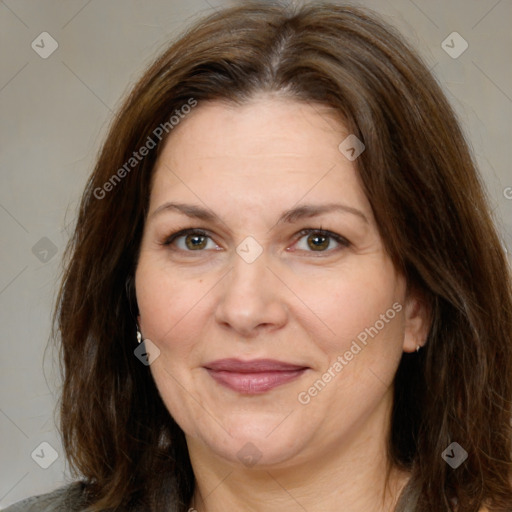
x,y
54,115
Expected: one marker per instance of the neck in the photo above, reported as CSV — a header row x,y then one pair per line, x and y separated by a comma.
x,y
254,494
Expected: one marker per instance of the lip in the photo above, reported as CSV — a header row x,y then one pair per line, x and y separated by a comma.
x,y
254,376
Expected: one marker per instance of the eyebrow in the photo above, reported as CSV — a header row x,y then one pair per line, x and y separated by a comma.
x,y
288,216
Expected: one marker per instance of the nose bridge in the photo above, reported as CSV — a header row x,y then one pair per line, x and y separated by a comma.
x,y
250,270
249,295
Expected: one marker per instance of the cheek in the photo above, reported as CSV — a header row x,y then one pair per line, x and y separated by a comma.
x,y
362,348
169,309
358,304
167,304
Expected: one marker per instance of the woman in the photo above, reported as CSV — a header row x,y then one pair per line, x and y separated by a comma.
x,y
285,211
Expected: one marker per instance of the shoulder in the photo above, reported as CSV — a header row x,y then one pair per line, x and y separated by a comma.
x,y
67,498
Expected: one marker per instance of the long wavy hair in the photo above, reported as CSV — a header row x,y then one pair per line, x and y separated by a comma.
x,y
433,218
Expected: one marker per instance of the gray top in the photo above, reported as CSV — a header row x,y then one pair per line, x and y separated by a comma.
x,y
69,498
64,499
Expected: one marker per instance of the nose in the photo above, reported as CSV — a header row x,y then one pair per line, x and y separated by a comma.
x,y
252,298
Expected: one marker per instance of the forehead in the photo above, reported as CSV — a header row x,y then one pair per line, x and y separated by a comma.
x,y
271,147
267,125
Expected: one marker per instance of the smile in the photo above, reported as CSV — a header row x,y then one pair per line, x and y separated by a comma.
x,y
253,377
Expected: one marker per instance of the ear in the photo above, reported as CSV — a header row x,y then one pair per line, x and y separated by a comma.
x,y
418,320
132,297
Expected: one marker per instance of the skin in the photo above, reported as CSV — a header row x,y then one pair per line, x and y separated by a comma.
x,y
296,304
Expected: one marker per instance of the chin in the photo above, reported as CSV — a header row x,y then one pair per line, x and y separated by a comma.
x,y
256,454
255,443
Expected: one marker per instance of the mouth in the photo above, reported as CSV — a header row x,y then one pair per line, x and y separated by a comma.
x,y
255,376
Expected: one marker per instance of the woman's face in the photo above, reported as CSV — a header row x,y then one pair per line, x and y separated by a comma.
x,y
276,345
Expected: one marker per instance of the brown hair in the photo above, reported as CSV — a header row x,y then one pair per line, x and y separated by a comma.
x,y
432,214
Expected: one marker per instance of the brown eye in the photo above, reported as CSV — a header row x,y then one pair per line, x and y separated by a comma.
x,y
194,242
189,240
318,242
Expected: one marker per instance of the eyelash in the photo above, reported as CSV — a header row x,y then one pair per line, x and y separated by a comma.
x,y
343,242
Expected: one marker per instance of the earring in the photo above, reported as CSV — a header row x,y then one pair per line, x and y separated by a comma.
x,y
139,336
418,348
